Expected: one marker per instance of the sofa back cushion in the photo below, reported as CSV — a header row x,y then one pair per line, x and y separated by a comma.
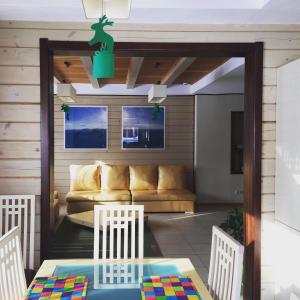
x,y
143,177
114,177
84,177
172,177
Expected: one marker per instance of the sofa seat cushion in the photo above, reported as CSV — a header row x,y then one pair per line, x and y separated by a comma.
x,y
117,195
163,195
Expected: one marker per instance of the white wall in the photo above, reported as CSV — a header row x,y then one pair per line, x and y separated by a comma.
x,y
287,184
214,181
283,248
287,197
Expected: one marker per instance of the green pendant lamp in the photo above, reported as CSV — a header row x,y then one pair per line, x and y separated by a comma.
x,y
104,59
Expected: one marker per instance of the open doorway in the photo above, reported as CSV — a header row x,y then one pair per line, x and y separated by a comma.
x,y
252,131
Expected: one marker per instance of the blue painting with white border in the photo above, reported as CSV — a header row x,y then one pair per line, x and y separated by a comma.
x,y
141,130
86,127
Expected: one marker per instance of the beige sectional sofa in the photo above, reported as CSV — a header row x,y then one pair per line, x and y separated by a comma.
x,y
161,188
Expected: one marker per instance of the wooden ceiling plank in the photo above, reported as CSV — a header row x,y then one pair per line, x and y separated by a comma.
x,y
133,71
88,67
181,65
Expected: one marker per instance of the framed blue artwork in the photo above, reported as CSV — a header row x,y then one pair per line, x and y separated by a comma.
x,y
140,130
86,127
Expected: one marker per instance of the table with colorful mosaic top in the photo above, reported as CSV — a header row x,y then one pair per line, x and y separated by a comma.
x,y
180,270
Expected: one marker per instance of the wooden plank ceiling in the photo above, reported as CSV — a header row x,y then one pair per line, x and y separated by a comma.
x,y
132,71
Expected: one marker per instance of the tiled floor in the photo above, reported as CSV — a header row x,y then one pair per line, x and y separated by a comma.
x,y
187,235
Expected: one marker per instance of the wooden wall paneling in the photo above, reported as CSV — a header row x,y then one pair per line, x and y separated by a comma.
x,y
274,59
268,167
20,94
20,149
27,113
269,131
27,34
18,132
177,150
19,186
269,77
19,75
20,168
19,57
268,149
269,94
18,89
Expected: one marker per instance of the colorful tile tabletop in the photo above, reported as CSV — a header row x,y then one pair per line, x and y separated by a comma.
x,y
58,288
168,288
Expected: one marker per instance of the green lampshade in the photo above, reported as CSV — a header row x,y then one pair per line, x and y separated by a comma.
x,y
103,64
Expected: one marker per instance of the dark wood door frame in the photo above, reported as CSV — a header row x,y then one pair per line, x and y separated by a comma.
x,y
253,53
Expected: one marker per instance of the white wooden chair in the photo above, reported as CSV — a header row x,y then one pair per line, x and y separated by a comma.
x,y
119,218
226,266
12,276
19,210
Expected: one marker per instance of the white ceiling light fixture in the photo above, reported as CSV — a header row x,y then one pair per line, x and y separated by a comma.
x,y
113,9
66,92
157,93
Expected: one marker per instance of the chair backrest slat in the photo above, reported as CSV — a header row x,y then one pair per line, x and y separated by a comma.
x,y
226,266
117,276
125,253
19,210
116,220
12,276
141,230
119,238
132,221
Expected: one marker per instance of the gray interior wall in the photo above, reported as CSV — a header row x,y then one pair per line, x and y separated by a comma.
x,y
213,181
